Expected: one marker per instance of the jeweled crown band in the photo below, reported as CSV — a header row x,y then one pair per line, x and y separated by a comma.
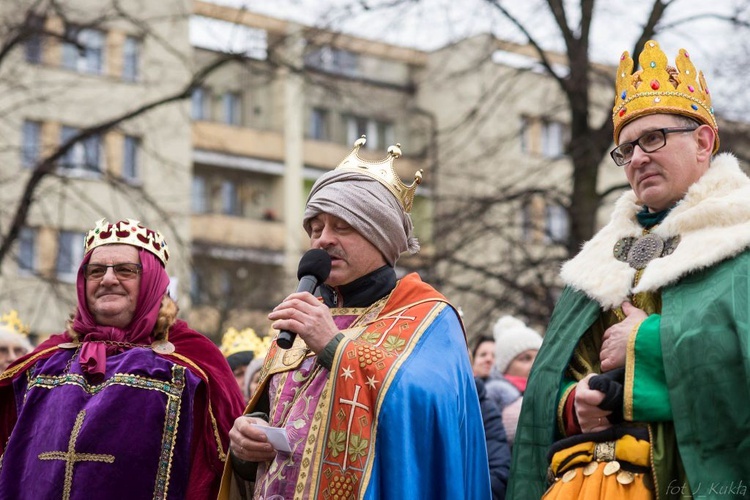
x,y
127,232
660,88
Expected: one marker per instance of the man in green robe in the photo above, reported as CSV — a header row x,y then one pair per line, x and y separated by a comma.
x,y
661,293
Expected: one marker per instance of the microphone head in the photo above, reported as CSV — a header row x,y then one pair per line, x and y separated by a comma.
x,y
315,262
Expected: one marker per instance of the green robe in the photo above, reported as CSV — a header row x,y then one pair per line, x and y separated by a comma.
x,y
704,334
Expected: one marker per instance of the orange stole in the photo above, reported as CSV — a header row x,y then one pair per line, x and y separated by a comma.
x,y
341,443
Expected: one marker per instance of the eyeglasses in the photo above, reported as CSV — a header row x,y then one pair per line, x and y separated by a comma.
x,y
123,272
649,142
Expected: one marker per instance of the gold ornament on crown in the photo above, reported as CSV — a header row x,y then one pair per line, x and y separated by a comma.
x,y
383,172
127,232
235,341
11,322
660,88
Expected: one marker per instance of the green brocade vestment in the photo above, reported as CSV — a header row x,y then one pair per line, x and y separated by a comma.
x,y
705,340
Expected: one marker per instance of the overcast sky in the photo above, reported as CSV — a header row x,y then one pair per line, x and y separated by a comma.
x,y
715,48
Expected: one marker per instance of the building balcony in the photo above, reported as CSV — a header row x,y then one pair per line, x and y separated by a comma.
x,y
237,238
269,145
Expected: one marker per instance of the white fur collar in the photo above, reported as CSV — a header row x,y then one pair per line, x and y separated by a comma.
x,y
713,221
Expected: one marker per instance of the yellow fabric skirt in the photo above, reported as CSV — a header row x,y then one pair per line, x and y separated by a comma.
x,y
614,470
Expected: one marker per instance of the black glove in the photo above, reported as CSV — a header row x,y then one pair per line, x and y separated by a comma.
x,y
611,385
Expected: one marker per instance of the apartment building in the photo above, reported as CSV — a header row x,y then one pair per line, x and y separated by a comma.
x,y
82,67
223,174
223,168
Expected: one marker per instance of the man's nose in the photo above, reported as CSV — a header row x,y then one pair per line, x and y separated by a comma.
x,y
109,276
639,157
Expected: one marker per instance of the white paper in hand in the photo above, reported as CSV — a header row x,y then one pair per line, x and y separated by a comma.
x,y
276,436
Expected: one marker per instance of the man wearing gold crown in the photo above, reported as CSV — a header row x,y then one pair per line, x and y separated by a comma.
x,y
643,379
376,395
14,340
129,402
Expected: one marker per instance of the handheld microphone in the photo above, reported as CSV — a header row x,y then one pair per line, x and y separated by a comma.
x,y
314,268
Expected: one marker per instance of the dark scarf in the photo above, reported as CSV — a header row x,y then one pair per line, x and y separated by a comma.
x,y
650,219
363,291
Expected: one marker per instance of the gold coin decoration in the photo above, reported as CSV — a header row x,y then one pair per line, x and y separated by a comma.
x,y
611,468
625,477
590,468
568,476
162,347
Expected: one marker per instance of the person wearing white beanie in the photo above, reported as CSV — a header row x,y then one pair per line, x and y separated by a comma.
x,y
516,346
513,338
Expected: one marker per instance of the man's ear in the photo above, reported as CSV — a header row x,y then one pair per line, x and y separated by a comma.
x,y
706,137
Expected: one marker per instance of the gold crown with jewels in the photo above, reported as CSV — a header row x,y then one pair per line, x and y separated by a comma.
x,y
383,172
127,232
12,323
235,341
660,88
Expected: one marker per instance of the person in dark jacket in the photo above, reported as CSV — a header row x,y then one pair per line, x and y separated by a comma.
x,y
498,450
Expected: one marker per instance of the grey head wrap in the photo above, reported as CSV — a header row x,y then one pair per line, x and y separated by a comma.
x,y
367,206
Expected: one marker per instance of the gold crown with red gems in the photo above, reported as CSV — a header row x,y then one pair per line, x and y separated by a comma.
x,y
383,172
660,88
127,232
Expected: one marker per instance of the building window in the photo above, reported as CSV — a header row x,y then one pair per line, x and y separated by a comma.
x,y
198,196
229,200
379,133
35,40
69,254
32,132
232,104
197,296
86,55
557,223
525,135
27,249
327,58
553,139
131,158
199,104
130,57
319,124
84,155
382,134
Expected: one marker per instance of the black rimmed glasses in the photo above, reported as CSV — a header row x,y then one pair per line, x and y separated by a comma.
x,y
649,142
123,272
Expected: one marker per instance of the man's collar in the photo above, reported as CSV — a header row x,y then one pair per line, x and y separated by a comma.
x,y
363,291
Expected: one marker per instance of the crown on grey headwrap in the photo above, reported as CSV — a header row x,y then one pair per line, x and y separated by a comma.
x,y
366,205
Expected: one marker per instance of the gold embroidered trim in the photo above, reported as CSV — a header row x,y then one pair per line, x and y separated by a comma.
x,y
627,409
169,434
24,366
71,457
388,380
136,381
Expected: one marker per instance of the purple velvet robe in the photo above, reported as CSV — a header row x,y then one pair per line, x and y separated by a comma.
x,y
124,436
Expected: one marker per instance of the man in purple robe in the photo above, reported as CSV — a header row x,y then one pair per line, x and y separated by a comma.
x,y
129,402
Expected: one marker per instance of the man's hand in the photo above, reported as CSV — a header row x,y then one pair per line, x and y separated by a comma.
x,y
616,337
591,418
248,443
306,316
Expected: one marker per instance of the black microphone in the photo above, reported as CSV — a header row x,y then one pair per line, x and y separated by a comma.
x,y
314,268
